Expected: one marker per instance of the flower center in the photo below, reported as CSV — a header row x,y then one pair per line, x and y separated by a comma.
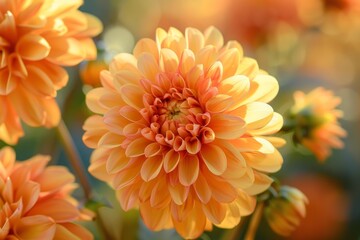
x,y
176,117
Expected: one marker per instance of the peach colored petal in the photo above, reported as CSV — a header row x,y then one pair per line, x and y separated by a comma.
x,y
67,231
187,62
116,161
160,197
52,113
213,37
92,100
128,197
39,49
194,39
193,225
214,211
263,89
154,219
58,210
230,60
39,82
29,193
219,103
151,168
146,45
132,95
148,66
202,189
66,52
35,227
214,158
264,162
258,114
171,160
94,129
32,114
98,164
178,192
261,183
248,67
136,148
206,56
168,60
111,140
188,170
123,61
273,126
227,126
8,83
53,178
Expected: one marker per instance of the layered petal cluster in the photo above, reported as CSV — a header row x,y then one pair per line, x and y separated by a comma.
x,y
37,37
182,129
285,212
35,200
315,119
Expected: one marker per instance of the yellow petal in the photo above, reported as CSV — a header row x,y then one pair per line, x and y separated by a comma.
x,y
187,61
261,183
219,103
169,61
194,39
132,95
230,60
258,115
148,66
273,126
213,37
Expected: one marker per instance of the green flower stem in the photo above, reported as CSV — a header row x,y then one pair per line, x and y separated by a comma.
x,y
254,222
74,158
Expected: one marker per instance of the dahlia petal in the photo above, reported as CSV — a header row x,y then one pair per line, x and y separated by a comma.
x,y
194,39
219,103
8,82
39,82
171,160
116,161
63,233
136,148
154,219
4,230
32,114
59,210
227,126
8,26
178,193
213,37
35,227
148,66
221,190
235,86
263,88
11,130
273,126
59,75
206,56
39,49
181,212
17,66
193,226
214,211
123,61
215,73
202,189
52,112
94,129
187,61
253,144
132,95
89,48
160,197
92,100
66,51
111,140
98,164
151,168
53,178
193,145
245,203
128,197
261,183
276,141
232,216
230,61
129,174
57,8
270,162
7,159
72,231
188,169
160,35
214,158
258,114
169,61
248,67
152,149
194,76
146,45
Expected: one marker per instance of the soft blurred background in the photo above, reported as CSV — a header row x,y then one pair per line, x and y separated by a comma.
x,y
303,43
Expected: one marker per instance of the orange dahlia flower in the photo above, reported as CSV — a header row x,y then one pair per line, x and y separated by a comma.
x,y
36,36
181,130
315,121
35,200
